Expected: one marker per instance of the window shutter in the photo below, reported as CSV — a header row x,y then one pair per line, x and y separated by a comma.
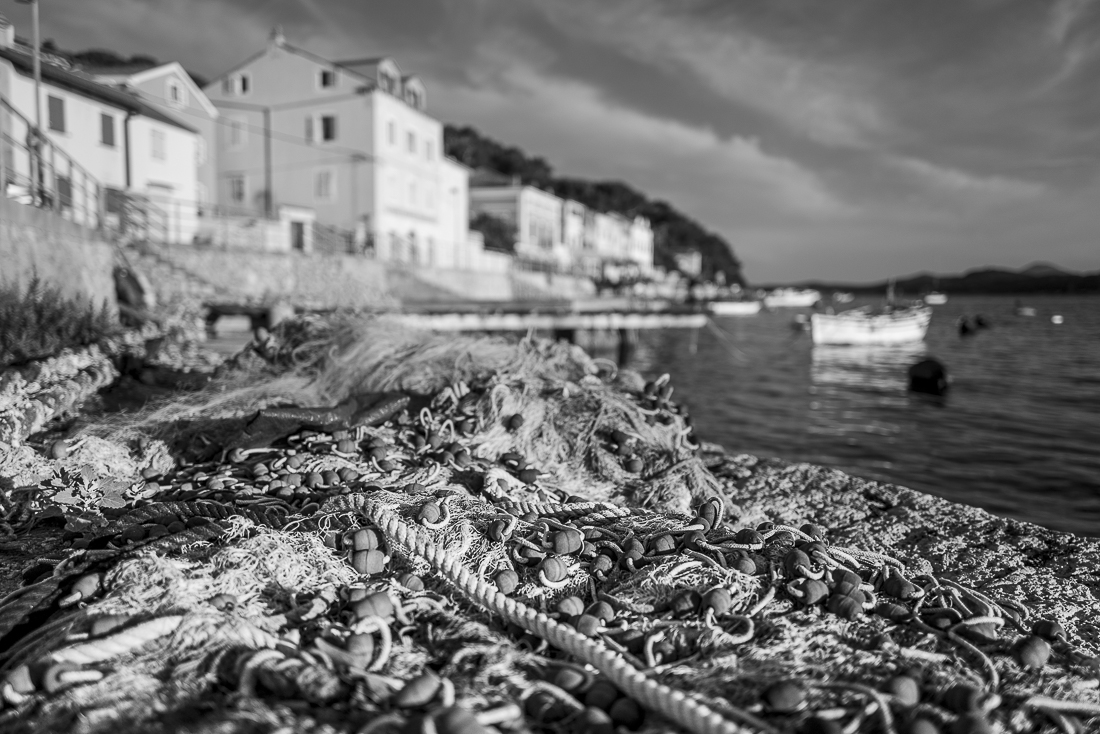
x,y
309,128
57,114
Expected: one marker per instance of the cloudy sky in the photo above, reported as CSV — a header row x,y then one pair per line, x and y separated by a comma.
x,y
848,139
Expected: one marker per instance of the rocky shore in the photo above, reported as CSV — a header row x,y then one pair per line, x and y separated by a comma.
x,y
351,528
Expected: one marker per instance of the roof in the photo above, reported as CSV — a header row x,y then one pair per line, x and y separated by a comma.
x,y
83,85
145,73
117,70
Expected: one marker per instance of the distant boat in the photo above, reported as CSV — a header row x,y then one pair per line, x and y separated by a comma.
x,y
734,308
864,326
791,298
843,297
935,298
1022,310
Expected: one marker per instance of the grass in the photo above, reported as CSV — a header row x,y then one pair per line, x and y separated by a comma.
x,y
40,321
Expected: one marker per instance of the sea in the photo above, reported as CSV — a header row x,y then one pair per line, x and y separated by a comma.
x,y
1018,432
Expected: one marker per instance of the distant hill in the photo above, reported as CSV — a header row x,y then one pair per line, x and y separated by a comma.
x,y
673,231
103,59
1035,278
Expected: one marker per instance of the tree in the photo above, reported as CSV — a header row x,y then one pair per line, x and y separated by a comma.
x,y
499,235
673,231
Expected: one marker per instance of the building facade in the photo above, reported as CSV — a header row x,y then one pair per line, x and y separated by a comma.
x,y
134,150
535,214
350,141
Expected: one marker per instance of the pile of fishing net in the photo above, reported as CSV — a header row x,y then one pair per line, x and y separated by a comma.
x,y
405,532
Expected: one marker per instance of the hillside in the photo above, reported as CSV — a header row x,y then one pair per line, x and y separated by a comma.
x,y
1035,278
673,231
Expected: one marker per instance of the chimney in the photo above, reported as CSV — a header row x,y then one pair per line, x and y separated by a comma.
x,y
277,37
7,33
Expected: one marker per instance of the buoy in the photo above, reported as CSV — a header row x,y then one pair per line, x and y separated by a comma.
x,y
1056,318
928,376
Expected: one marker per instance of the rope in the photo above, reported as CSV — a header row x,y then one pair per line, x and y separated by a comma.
x,y
669,702
118,644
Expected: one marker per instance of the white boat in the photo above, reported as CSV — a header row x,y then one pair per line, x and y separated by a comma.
x,y
935,298
734,308
863,326
843,297
791,298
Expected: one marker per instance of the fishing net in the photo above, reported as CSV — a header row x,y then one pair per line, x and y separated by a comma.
x,y
528,541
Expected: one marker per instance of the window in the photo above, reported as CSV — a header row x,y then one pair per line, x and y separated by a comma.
x,y
320,128
57,113
107,130
237,132
324,185
327,78
328,128
391,132
244,86
65,192
238,188
157,144
412,141
227,85
177,94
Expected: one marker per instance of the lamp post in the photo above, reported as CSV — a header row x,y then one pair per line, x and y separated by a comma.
x,y
37,136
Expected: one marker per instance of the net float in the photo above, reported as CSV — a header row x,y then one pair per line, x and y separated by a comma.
x,y
313,480
709,512
595,721
808,591
602,611
570,606
155,531
627,713
602,694
544,707
602,564
360,647
894,612
662,544
411,581
294,461
900,587
784,697
816,532
718,600
566,542
515,422
329,477
740,561
224,602
385,465
905,689
961,698
419,691
133,534
843,606
378,604
587,625
685,602
748,536
634,466
923,725
797,563
59,449
528,476
434,440
1048,629
572,679
844,576
458,720
369,562
1032,652
85,587
506,580
552,570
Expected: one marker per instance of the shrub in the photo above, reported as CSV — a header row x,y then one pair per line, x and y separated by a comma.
x,y
40,321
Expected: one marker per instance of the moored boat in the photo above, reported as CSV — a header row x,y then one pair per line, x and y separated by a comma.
x,y
935,298
734,308
843,297
864,326
792,298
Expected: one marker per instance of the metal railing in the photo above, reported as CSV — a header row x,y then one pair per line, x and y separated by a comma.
x,y
35,171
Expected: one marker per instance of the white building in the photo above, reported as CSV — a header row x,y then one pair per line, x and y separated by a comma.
x,y
350,141
536,215
136,151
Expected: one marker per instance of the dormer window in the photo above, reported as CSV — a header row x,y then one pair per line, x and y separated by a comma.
x,y
177,93
238,84
326,79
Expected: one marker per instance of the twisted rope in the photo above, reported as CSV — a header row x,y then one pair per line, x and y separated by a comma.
x,y
669,702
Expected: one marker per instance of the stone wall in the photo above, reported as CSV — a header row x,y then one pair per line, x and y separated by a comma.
x,y
62,253
317,281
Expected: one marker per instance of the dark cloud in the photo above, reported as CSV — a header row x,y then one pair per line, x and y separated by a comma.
x,y
841,139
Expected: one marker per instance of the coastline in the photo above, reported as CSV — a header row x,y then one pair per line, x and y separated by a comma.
x,y
1046,571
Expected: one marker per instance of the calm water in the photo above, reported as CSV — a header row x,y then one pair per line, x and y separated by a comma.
x,y
1017,434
